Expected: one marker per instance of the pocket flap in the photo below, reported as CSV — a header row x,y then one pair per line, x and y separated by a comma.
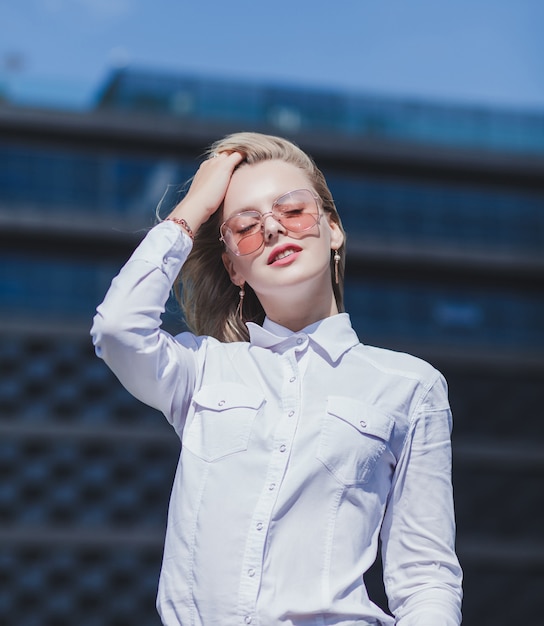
x,y
225,396
364,418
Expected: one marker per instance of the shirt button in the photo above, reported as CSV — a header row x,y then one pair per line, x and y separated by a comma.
x,y
259,525
300,340
363,423
251,572
271,486
290,414
247,619
292,379
221,403
283,448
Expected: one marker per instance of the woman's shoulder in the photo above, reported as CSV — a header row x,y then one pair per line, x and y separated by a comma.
x,y
190,340
398,363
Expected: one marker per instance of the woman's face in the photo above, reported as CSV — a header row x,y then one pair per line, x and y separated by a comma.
x,y
286,260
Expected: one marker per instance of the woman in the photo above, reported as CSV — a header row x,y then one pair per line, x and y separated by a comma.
x,y
301,447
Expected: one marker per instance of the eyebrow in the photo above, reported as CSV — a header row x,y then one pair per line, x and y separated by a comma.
x,y
238,211
252,208
285,193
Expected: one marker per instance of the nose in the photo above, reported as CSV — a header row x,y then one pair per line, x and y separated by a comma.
x,y
271,226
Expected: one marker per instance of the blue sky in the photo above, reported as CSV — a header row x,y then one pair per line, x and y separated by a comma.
x,y
483,52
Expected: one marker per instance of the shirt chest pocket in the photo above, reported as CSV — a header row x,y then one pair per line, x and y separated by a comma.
x,y
353,438
222,420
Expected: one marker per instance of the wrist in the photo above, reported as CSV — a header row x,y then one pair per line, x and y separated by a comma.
x,y
183,225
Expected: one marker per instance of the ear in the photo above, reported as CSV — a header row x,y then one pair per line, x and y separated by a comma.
x,y
337,236
235,276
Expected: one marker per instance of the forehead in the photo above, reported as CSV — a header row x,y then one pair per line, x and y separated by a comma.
x,y
257,186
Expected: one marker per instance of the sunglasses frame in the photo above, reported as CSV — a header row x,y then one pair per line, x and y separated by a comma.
x,y
262,217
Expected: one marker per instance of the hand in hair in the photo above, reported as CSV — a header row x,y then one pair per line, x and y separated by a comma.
x,y
207,190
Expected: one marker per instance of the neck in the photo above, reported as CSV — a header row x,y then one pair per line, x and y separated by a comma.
x,y
294,312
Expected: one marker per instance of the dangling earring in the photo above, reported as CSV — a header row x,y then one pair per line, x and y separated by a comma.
x,y
336,261
241,303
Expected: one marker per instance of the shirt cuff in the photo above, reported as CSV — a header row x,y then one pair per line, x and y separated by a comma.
x,y
166,246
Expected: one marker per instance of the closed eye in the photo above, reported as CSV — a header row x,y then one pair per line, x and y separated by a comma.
x,y
291,211
247,230
245,224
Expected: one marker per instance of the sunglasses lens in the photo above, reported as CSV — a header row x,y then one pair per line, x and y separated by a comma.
x,y
243,232
297,211
250,243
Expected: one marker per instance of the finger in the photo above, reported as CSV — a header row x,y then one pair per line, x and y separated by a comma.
x,y
229,155
212,178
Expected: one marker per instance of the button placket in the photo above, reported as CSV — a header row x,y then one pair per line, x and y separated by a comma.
x,y
255,545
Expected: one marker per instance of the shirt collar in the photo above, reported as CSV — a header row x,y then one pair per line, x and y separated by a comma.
x,y
334,334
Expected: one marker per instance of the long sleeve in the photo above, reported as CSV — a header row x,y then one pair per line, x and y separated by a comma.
x,y
155,367
421,571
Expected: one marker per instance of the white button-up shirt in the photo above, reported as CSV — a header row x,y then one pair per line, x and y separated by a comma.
x,y
299,451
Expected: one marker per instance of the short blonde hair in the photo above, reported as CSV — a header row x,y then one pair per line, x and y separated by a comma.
x,y
208,298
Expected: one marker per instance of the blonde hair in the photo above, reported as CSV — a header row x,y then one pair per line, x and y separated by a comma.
x,y
208,298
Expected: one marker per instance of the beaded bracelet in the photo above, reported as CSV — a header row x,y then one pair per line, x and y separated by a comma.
x,y
181,222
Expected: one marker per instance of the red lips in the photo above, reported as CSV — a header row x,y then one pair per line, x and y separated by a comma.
x,y
279,250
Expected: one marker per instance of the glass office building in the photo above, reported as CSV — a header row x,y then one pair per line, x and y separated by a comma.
x,y
302,109
444,209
